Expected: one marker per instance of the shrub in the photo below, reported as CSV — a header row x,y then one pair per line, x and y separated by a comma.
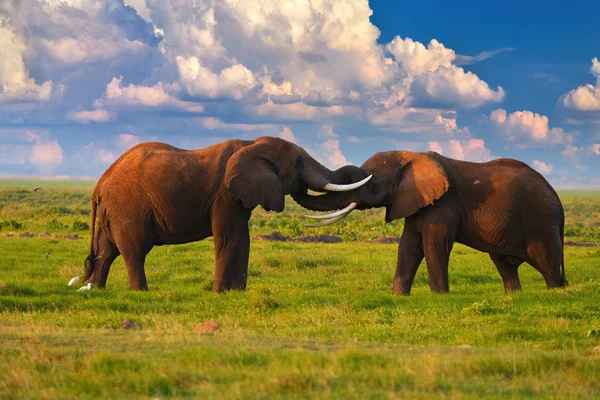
x,y
11,223
81,226
56,224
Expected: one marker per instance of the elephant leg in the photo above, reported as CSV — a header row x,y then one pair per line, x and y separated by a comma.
x,y
546,256
134,261
508,267
410,255
106,252
437,245
134,243
232,248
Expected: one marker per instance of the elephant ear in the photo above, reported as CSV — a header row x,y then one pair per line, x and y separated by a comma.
x,y
252,176
422,180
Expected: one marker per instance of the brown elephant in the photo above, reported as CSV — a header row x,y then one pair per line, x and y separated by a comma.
x,y
502,207
156,194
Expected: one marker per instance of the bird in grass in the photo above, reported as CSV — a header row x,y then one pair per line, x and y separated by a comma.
x,y
48,255
85,288
73,281
36,189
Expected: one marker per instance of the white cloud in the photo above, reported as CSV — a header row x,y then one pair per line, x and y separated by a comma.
x,y
118,96
416,59
355,139
328,153
46,153
234,82
86,49
85,117
435,80
571,151
542,167
15,83
215,123
36,148
125,141
466,150
584,98
287,134
595,148
453,87
92,153
527,125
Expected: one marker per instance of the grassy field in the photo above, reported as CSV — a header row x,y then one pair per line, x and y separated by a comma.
x,y
317,320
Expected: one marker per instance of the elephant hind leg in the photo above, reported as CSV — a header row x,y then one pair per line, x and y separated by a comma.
x,y
134,242
99,265
135,270
508,267
546,256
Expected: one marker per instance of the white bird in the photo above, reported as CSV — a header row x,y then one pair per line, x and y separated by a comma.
x,y
73,281
85,288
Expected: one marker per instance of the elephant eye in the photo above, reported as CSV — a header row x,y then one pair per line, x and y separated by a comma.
x,y
299,163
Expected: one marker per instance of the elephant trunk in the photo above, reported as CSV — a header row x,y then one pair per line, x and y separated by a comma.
x,y
348,176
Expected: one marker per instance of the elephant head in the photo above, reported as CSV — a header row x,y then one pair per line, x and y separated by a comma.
x,y
403,182
265,170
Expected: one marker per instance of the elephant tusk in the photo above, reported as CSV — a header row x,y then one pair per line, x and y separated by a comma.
x,y
332,187
343,211
326,222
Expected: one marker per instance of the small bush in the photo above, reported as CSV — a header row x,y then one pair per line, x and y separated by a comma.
x,y
57,225
11,223
80,226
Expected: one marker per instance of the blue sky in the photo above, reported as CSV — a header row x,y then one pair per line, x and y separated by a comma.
x,y
81,81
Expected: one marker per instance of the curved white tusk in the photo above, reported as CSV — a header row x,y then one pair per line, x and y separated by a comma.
x,y
332,187
327,221
343,211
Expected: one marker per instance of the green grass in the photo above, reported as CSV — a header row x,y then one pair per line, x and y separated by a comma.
x,y
317,320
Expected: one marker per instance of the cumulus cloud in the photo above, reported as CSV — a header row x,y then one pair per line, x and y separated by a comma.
x,y
15,83
215,123
46,153
571,151
287,134
584,98
85,117
85,49
136,96
435,80
542,167
328,151
125,141
92,153
466,150
595,148
526,125
32,149
233,82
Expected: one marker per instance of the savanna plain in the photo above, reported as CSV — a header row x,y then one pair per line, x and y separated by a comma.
x,y
316,321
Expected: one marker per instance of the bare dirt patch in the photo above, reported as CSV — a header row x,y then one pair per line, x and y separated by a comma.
x,y
48,235
568,242
321,238
274,236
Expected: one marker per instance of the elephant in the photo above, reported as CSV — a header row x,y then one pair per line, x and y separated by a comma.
x,y
501,207
156,194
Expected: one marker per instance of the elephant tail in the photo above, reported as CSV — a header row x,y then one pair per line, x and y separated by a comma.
x,y
562,243
89,269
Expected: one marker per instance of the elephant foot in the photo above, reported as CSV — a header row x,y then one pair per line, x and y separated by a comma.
x,y
512,286
400,290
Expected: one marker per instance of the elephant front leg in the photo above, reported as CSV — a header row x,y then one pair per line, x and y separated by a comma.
x,y
232,250
410,255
